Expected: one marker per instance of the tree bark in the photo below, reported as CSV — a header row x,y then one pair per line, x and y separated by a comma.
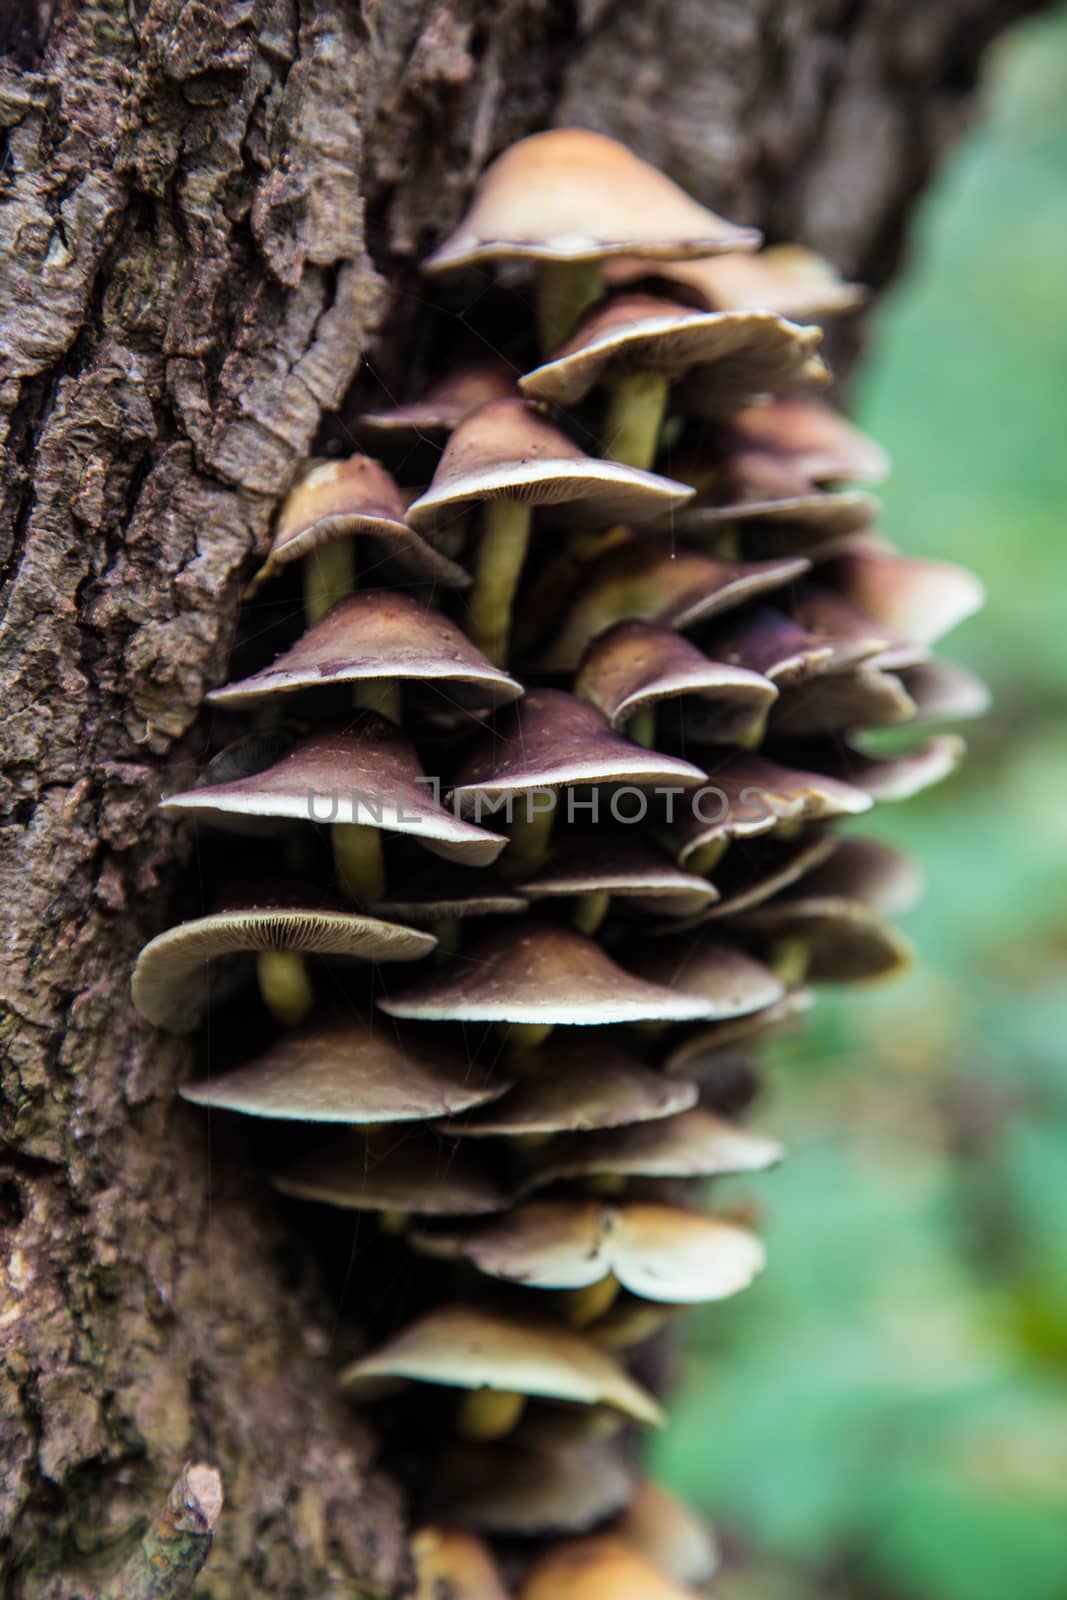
x,y
210,209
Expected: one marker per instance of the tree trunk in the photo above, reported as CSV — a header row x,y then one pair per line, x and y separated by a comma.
x,y
209,208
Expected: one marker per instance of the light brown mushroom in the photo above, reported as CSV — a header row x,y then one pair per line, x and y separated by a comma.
x,y
452,1565
827,938
505,459
445,403
786,278
701,1048
521,1488
695,963
597,864
816,440
375,1170
669,1534
891,778
943,691
921,600
838,702
693,1144
601,1568
867,870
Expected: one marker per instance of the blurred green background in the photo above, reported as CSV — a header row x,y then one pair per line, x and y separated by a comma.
x,y
885,1414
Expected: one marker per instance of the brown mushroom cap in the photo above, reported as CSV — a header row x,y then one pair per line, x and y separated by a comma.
x,y
379,1171
669,1534
845,941
342,499
574,195
921,600
540,974
467,1347
943,691
807,521
173,979
373,635
434,892
445,403
702,1046
740,353
553,740
730,981
344,1069
694,1144
507,450
369,774
786,278
867,870
581,1085
856,636
619,862
677,588
765,641
601,1568
657,1252
637,664
450,1565
836,702
747,878
816,440
886,778
518,1487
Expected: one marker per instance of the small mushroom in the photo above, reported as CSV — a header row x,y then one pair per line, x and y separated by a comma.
x,y
837,702
867,870
375,1171
519,1488
601,1568
943,691
506,459
827,938
921,600
747,878
639,344
693,1144
702,1047
635,666
175,976
595,864
728,979
375,639
669,1534
786,278
498,1358
332,503
677,588
657,1252
576,1086
437,892
345,1069
813,437
568,199
891,778
789,524
444,404
451,1565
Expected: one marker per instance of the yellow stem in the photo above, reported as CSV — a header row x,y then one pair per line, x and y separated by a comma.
x,y
590,911
284,985
642,728
501,554
378,694
357,856
705,857
489,1413
329,574
636,410
565,290
583,1306
528,836
391,1221
789,961
448,931
526,1035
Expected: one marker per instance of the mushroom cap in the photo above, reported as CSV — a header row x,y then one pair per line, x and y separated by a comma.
x,y
468,1347
921,600
172,981
621,862
728,979
943,691
747,878
574,195
552,740
816,440
345,1069
657,1252
679,588
601,1568
703,1046
378,1171
343,499
454,1565
583,1084
433,892
741,353
636,664
764,640
786,278
836,702
693,1144
368,774
518,1487
507,450
867,870
540,974
817,518
445,403
846,941
887,778
379,634
669,1534
856,636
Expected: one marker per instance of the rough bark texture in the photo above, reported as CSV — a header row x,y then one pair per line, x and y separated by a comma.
x,y
204,205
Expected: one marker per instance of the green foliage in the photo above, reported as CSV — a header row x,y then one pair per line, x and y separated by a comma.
x,y
887,1411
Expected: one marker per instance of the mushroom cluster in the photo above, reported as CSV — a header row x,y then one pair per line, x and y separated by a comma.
x,y
552,721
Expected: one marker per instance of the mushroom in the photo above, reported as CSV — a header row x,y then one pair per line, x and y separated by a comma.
x,y
808,937
657,1252
500,1360
747,878
368,771
639,344
521,1488
693,1144
702,1047
786,278
331,504
569,199
891,778
601,1568
578,1085
944,691
370,1170
506,459
836,702
346,1069
922,600
377,640
728,979
595,864
175,974
444,404
773,525
635,666
678,588
451,1565
867,870
669,1534
814,438
547,742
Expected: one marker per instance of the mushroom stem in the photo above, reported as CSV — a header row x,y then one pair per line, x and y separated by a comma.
x,y
530,831
284,985
392,1221
590,911
357,856
789,961
381,695
526,1035
635,416
448,933
564,290
705,857
583,1306
329,574
489,1413
501,554
642,728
